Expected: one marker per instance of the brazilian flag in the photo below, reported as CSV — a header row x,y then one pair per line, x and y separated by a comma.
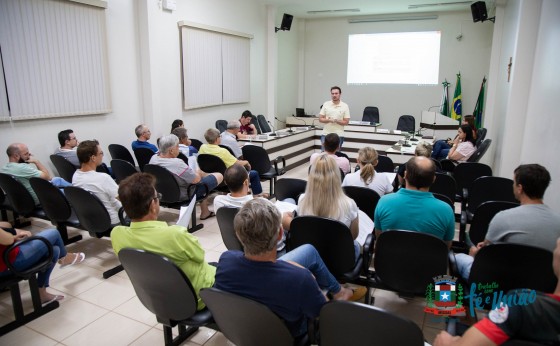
x,y
479,108
456,110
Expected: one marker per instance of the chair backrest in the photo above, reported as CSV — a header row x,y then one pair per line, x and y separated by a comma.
x,y
426,257
365,198
143,156
52,200
165,183
480,151
90,211
257,157
227,148
445,199
406,123
196,143
467,172
225,218
160,285
514,266
120,152
20,199
64,167
122,169
350,323
255,122
289,188
445,185
485,189
244,321
263,123
480,135
483,214
211,163
384,164
371,114
221,125
331,238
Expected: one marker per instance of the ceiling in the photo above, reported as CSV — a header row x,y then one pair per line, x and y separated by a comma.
x,y
333,8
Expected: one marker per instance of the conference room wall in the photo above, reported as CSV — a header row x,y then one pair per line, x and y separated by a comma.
x,y
326,47
145,75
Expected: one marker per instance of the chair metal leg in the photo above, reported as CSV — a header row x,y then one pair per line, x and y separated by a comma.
x,y
195,227
113,271
63,230
184,333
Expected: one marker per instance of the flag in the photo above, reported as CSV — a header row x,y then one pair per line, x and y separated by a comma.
x,y
479,107
457,103
444,108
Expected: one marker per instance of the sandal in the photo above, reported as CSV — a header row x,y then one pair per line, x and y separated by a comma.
x,y
57,297
209,216
78,258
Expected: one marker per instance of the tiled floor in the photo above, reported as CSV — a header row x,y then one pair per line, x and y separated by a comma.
x,y
107,312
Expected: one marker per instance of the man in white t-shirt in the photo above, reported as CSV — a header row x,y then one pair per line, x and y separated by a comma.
x,y
335,114
331,144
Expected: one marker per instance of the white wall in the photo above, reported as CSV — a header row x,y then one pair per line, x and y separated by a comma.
x,y
326,46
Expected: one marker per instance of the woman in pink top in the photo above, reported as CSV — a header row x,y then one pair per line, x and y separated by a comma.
x,y
463,145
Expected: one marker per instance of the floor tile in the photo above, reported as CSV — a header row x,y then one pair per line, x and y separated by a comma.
x,y
134,309
27,337
111,293
218,339
78,281
111,329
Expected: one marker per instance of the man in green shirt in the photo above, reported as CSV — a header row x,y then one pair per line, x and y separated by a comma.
x,y
140,200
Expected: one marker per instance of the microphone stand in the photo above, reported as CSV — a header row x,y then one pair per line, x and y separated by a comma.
x,y
289,129
273,129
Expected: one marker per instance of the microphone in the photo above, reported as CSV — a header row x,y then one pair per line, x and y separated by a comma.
x,y
273,129
313,123
283,122
432,108
298,119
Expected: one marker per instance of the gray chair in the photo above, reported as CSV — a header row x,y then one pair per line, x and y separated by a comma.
x,y
221,125
120,152
64,167
225,218
371,114
406,123
122,169
263,123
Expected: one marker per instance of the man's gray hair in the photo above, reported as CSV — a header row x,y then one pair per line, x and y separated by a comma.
x,y
167,142
233,124
257,225
423,149
180,132
211,135
139,130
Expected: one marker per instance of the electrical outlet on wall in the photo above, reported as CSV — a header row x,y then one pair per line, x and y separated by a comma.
x,y
170,5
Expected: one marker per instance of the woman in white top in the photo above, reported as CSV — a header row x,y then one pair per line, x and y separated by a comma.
x,y
367,176
463,145
324,197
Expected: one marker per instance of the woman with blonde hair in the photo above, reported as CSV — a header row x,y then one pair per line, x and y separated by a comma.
x,y
367,176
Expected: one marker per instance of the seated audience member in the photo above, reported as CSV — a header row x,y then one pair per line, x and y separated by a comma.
x,y
414,208
141,203
213,138
290,286
331,144
229,138
367,176
176,124
537,322
185,176
247,129
532,223
184,142
422,149
463,146
19,159
324,197
100,184
68,144
442,146
28,254
143,134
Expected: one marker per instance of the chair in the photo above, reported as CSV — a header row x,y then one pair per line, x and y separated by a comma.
x,y
384,164
171,297
221,125
406,123
64,167
351,323
489,188
56,208
365,198
122,169
196,143
445,185
228,149
371,114
246,322
225,223
514,266
12,282
465,174
263,123
484,213
259,161
167,185
480,151
143,156
480,135
213,164
406,261
19,200
289,188
445,199
120,152
334,242
255,122
93,217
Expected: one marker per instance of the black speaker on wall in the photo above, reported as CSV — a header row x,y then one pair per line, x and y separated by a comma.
x,y
479,13
286,23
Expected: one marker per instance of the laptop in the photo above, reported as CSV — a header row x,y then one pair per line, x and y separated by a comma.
x,y
300,112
